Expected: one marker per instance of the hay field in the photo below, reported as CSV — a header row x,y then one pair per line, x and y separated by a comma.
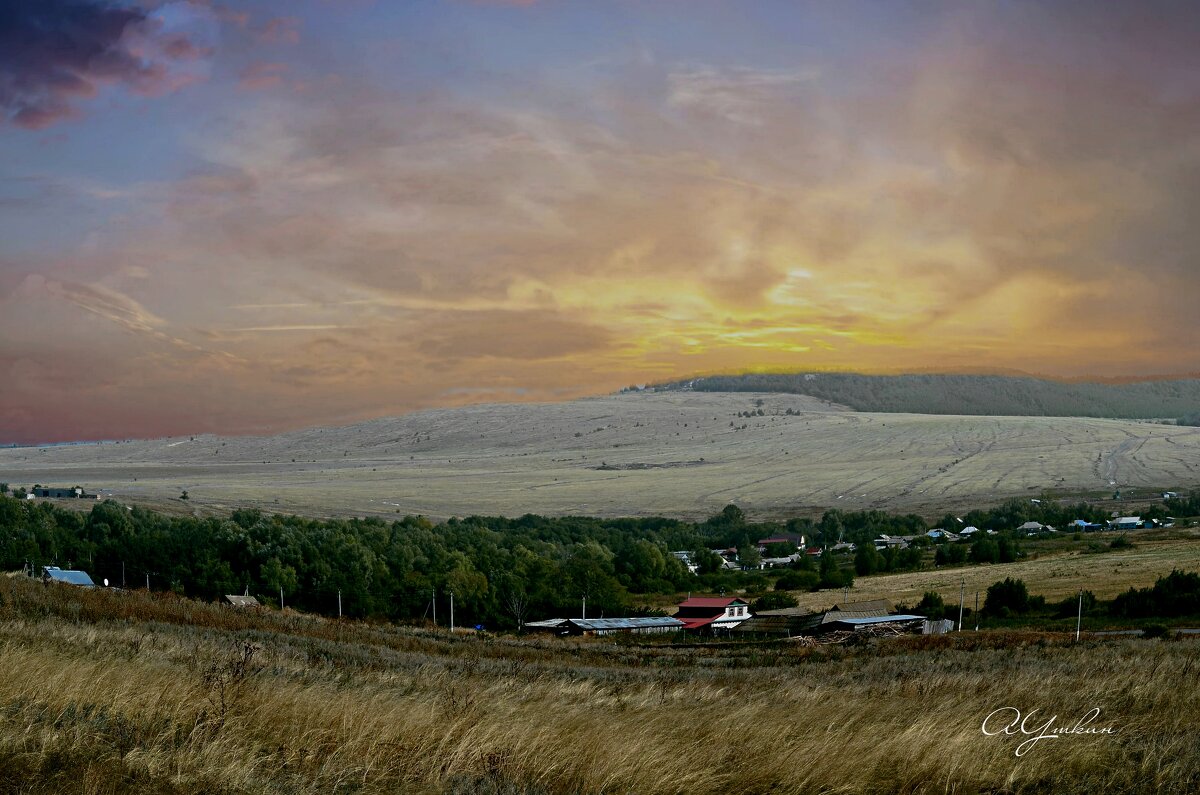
x,y
678,454
1055,576
107,692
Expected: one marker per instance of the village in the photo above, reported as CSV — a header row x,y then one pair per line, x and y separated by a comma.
x,y
722,616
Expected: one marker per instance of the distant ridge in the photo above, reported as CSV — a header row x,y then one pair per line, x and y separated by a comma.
x,y
998,395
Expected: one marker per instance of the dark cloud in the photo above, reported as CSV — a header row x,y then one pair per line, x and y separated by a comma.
x,y
54,52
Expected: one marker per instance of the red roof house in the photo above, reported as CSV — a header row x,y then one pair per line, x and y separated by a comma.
x,y
712,613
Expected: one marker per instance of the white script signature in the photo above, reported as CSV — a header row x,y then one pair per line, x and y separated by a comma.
x,y
1009,720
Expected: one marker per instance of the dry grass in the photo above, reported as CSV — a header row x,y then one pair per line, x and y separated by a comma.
x,y
1054,576
515,459
132,702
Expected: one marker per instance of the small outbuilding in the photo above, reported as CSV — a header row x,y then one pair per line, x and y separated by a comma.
x,y
651,625
67,577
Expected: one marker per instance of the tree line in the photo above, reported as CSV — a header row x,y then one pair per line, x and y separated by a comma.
x,y
972,394
501,571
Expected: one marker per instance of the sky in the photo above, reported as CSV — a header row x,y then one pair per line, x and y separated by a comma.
x,y
244,217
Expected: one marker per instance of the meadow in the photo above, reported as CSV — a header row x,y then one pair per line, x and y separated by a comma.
x,y
1055,570
680,454
110,692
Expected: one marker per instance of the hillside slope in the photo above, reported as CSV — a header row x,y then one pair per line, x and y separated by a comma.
x,y
971,394
682,454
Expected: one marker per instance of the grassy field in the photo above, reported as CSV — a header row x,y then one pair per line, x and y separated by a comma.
x,y
1055,574
680,454
106,692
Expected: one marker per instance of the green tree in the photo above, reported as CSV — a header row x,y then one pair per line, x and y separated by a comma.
x,y
832,575
276,576
985,550
707,560
867,560
798,580
775,600
931,606
749,556
1006,597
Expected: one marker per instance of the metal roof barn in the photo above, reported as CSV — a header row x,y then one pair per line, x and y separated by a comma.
x,y
69,576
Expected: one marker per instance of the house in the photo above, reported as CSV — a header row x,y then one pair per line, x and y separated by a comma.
x,y
1086,526
1035,527
774,563
245,600
885,541
1126,523
75,492
938,534
968,531
607,626
67,576
712,613
686,558
793,542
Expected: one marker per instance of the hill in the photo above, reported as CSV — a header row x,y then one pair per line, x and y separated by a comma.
x,y
995,395
683,454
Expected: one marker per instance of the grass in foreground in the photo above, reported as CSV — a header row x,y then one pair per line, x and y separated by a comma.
x,y
107,692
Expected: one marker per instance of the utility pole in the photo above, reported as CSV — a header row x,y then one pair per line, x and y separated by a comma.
x,y
147,581
434,607
122,574
961,593
452,611
584,614
1079,616
977,611
339,602
281,597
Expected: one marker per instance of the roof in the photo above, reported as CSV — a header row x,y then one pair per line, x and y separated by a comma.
x,y
712,601
238,600
780,624
69,576
592,624
696,622
1031,526
550,623
862,622
1128,520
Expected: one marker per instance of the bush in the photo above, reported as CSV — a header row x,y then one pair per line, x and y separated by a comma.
x,y
1154,631
1006,597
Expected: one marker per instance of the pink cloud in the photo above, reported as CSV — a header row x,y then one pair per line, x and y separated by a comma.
x,y
281,30
261,76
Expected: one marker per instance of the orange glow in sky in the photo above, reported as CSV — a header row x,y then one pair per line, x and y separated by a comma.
x,y
342,211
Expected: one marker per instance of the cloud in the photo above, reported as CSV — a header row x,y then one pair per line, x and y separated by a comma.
x,y
1002,186
259,76
280,30
54,53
